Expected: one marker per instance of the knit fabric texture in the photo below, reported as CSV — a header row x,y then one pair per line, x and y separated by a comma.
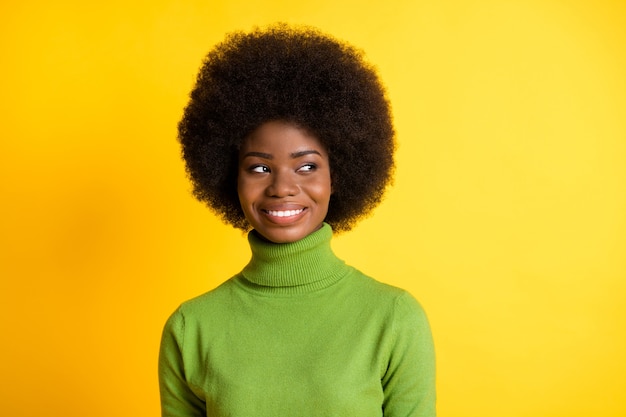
x,y
298,333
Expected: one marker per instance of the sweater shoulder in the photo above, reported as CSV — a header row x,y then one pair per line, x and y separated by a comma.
x,y
210,300
378,288
396,298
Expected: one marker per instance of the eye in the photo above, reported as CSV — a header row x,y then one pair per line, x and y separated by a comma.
x,y
307,168
261,169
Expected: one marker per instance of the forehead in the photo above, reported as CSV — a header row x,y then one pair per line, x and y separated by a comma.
x,y
281,137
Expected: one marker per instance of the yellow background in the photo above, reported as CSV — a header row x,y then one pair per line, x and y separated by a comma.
x,y
507,219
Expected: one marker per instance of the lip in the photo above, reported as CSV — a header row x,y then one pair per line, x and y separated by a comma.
x,y
284,214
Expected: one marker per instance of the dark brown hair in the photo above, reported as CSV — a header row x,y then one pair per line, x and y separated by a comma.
x,y
301,76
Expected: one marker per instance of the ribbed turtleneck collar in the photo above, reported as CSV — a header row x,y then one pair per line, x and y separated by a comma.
x,y
291,268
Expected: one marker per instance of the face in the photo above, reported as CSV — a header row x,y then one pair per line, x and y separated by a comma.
x,y
283,182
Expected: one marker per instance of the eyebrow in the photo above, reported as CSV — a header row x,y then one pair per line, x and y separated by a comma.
x,y
304,153
293,155
259,154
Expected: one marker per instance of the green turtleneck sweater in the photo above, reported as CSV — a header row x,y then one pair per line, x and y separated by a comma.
x,y
298,333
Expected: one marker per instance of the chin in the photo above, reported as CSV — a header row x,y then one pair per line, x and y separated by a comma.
x,y
286,234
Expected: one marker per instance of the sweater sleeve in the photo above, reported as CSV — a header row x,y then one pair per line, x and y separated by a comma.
x,y
177,396
409,383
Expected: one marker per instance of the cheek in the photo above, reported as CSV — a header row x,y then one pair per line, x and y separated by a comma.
x,y
244,191
321,190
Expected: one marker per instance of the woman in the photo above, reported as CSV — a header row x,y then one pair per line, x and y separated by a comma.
x,y
288,134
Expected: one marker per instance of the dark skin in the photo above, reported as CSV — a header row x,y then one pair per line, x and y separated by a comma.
x,y
284,182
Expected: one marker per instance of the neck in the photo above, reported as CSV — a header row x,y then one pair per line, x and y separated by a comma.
x,y
302,266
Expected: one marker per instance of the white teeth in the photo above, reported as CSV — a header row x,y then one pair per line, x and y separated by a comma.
x,y
285,213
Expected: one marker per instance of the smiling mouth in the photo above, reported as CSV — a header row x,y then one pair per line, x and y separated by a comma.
x,y
284,213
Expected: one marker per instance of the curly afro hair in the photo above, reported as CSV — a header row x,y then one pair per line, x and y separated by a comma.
x,y
300,76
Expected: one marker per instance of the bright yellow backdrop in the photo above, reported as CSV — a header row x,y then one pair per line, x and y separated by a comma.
x,y
507,219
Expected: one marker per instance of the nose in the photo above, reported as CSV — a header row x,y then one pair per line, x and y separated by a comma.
x,y
282,184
